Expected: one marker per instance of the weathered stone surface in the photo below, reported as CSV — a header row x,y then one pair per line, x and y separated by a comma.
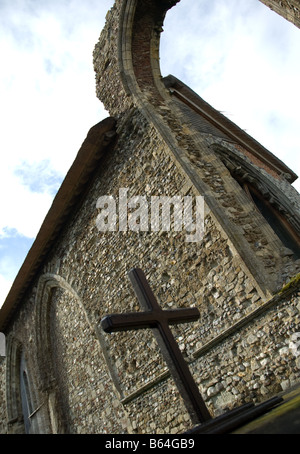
x,y
240,275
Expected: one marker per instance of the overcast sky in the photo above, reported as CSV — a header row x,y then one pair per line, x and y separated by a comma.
x,y
237,54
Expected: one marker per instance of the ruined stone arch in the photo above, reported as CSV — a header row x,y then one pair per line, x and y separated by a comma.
x,y
126,62
129,46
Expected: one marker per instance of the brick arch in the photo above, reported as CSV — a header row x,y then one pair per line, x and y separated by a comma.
x,y
139,38
126,58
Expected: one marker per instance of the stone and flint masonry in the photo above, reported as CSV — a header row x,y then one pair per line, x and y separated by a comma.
x,y
61,372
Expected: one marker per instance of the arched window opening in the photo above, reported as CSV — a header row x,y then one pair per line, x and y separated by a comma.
x,y
26,398
275,219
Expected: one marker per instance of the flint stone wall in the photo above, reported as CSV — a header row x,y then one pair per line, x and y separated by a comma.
x,y
84,381
119,383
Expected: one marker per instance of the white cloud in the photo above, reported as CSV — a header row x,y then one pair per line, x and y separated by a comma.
x,y
39,177
5,286
13,249
47,92
48,82
23,210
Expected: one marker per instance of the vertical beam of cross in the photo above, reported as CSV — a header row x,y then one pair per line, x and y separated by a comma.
x,y
159,320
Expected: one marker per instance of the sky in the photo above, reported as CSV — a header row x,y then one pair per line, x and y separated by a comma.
x,y
236,54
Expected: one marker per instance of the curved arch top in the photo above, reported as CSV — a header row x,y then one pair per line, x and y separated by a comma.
x,y
126,57
46,283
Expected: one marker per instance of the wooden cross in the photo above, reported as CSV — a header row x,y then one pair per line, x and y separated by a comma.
x,y
159,320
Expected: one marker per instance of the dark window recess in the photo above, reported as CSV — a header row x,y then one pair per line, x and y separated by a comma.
x,y
27,408
279,224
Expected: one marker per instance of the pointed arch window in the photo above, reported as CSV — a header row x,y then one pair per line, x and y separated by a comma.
x,y
269,200
275,219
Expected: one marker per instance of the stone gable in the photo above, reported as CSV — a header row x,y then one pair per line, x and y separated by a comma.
x,y
162,140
